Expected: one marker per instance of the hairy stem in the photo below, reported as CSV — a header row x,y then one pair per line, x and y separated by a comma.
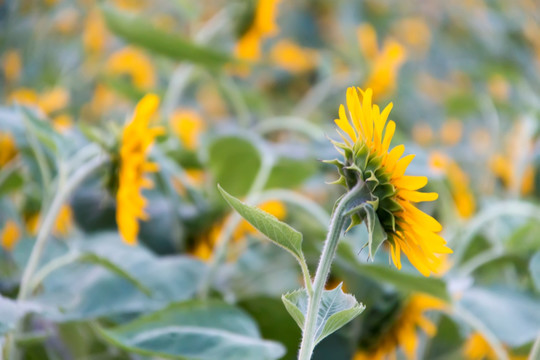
x,y
329,251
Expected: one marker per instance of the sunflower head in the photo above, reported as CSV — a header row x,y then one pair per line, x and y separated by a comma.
x,y
369,161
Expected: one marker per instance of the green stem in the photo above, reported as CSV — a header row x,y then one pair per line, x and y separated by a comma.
x,y
329,251
37,251
535,351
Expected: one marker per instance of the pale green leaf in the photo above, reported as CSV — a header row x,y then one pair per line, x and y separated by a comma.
x,y
377,235
336,310
234,162
195,330
277,231
140,32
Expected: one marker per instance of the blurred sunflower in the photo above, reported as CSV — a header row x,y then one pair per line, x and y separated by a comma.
x,y
292,57
477,348
10,235
263,25
384,64
188,126
135,64
509,165
402,333
8,149
366,138
205,244
137,137
62,224
12,65
458,182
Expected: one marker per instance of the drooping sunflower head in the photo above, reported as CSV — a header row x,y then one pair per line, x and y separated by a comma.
x,y
396,327
368,159
137,138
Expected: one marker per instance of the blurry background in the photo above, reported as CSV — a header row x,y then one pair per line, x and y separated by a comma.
x,y
249,87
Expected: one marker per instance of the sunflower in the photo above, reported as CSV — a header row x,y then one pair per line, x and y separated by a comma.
x,y
8,149
402,333
10,235
263,26
137,138
366,135
477,348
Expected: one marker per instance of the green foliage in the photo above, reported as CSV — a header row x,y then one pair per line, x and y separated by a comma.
x,y
195,330
224,154
139,32
336,310
280,233
503,310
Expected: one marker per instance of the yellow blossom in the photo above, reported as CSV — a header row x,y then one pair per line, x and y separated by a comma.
x,y
64,221
53,100
12,65
367,136
188,126
8,149
10,235
415,33
263,26
133,62
458,181
62,123
422,133
403,332
95,33
137,138
477,348
66,21
292,57
384,63
451,131
506,165
48,102
23,96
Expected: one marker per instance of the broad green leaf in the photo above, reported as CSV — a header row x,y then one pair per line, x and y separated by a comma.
x,y
513,316
534,267
277,231
289,172
336,310
86,291
12,311
195,330
401,280
140,32
115,268
234,162
377,235
278,327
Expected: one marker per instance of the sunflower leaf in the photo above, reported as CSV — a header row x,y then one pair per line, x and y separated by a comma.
x,y
141,33
194,330
336,310
377,235
278,232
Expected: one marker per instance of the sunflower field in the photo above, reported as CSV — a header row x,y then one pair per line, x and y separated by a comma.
x,y
269,179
